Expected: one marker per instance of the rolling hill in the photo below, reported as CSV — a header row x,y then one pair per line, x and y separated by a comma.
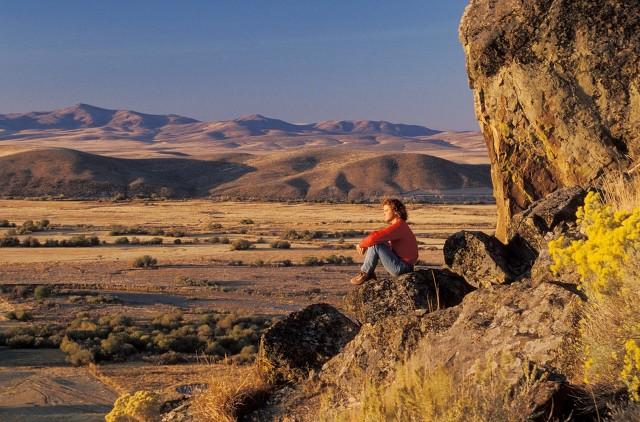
x,y
313,174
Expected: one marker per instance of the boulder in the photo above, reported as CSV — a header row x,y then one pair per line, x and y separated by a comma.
x,y
378,348
303,342
420,291
554,214
556,92
530,231
481,259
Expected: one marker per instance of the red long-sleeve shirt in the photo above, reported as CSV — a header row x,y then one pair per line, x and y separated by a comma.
x,y
399,236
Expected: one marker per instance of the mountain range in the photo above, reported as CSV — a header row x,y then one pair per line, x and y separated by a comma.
x,y
90,152
126,133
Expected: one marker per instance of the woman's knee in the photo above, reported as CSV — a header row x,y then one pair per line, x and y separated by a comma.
x,y
380,246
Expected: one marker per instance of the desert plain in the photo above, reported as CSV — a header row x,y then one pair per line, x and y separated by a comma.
x,y
297,253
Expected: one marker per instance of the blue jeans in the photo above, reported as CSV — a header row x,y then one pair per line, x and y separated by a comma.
x,y
390,261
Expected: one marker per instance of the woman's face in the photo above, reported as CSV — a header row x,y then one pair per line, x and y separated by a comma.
x,y
389,213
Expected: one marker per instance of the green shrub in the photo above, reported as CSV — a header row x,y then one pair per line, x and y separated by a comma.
x,y
282,263
311,261
42,292
153,241
80,240
338,260
214,226
20,341
214,348
241,245
187,344
29,226
97,299
123,230
9,241
117,346
30,242
145,261
169,320
348,233
305,235
280,244
115,320
83,328
6,223
19,315
246,221
76,354
122,241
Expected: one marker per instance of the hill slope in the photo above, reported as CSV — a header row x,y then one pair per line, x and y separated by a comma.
x,y
342,174
76,174
315,174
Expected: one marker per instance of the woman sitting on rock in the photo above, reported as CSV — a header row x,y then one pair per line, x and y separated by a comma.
x,y
395,245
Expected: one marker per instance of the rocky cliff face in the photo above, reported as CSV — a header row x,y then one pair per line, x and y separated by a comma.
x,y
557,92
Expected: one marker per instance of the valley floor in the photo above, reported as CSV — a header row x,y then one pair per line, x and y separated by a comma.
x,y
196,275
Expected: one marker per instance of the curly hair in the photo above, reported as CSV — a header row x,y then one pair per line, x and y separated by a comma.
x,y
397,206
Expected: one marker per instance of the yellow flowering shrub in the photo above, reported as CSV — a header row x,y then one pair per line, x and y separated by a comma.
x,y
141,406
607,261
613,241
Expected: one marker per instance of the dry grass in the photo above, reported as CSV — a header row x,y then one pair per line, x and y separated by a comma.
x,y
622,192
226,398
495,392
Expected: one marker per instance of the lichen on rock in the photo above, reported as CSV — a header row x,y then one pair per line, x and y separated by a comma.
x,y
303,342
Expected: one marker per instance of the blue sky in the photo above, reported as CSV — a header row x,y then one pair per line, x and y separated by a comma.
x,y
301,61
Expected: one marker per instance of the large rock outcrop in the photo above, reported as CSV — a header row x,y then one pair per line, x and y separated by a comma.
x,y
376,351
414,293
530,323
557,92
